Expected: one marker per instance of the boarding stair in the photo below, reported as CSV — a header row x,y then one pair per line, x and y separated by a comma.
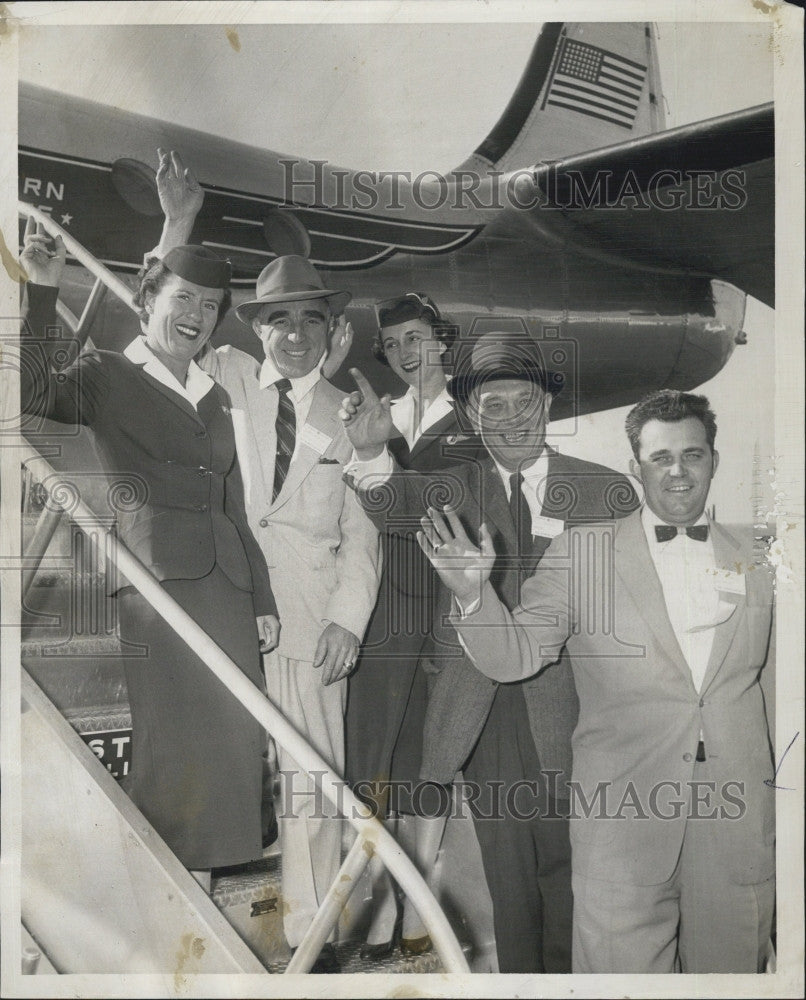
x,y
100,891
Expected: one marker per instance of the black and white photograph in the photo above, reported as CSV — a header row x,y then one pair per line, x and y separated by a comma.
x,y
401,566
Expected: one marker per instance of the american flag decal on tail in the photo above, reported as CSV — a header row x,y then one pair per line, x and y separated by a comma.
x,y
597,83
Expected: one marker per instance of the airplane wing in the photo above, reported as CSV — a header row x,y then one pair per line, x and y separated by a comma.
x,y
695,199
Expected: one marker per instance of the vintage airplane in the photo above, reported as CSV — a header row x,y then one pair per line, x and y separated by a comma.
x,y
578,214
627,249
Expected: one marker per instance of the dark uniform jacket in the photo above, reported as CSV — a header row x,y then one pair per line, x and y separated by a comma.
x,y
179,506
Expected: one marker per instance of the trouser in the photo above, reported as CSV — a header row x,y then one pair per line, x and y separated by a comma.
x,y
525,847
310,831
700,920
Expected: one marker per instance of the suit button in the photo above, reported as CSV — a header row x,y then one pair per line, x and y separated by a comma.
x,y
702,702
200,507
201,434
264,523
202,472
687,757
494,683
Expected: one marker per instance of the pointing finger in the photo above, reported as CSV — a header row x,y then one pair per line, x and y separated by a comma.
x,y
176,161
30,228
366,389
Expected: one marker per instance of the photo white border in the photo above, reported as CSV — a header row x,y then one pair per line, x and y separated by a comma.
x,y
787,24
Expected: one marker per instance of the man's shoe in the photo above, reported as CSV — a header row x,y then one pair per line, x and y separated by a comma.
x,y
327,962
385,948
416,946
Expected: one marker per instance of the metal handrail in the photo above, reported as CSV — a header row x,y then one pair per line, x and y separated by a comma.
x,y
372,835
371,832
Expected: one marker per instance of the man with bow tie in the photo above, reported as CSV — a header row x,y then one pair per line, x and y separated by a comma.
x,y
667,620
502,737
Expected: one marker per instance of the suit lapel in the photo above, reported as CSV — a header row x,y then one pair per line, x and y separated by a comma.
x,y
170,395
323,426
551,503
399,450
636,570
726,555
492,502
433,436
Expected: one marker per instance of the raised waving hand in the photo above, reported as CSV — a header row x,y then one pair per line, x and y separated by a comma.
x,y
42,258
463,567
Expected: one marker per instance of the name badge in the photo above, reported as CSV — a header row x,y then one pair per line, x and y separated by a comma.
x,y
731,583
547,527
314,439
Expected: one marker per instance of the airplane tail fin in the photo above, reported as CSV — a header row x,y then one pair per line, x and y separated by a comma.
x,y
586,85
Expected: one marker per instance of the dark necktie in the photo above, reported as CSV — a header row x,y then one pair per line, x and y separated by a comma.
x,y
286,428
521,515
666,532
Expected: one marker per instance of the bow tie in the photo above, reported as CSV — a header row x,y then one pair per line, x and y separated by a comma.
x,y
666,532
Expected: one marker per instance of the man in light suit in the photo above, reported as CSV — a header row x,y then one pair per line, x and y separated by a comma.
x,y
322,550
667,620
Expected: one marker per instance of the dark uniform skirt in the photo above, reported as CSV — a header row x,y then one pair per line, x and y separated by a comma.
x,y
388,693
196,752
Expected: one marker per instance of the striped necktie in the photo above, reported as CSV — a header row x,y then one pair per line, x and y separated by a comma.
x,y
286,430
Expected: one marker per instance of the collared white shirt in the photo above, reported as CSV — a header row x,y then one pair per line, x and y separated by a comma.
x,y
533,486
687,572
404,412
197,384
301,392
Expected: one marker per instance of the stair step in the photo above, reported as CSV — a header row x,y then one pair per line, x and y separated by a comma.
x,y
250,899
349,955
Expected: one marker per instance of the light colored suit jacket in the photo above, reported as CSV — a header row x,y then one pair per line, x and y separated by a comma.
x,y
322,550
640,715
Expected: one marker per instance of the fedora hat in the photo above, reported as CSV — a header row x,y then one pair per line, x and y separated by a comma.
x,y
290,279
496,356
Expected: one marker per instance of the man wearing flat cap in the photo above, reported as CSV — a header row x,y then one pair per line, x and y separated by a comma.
x,y
500,736
322,550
